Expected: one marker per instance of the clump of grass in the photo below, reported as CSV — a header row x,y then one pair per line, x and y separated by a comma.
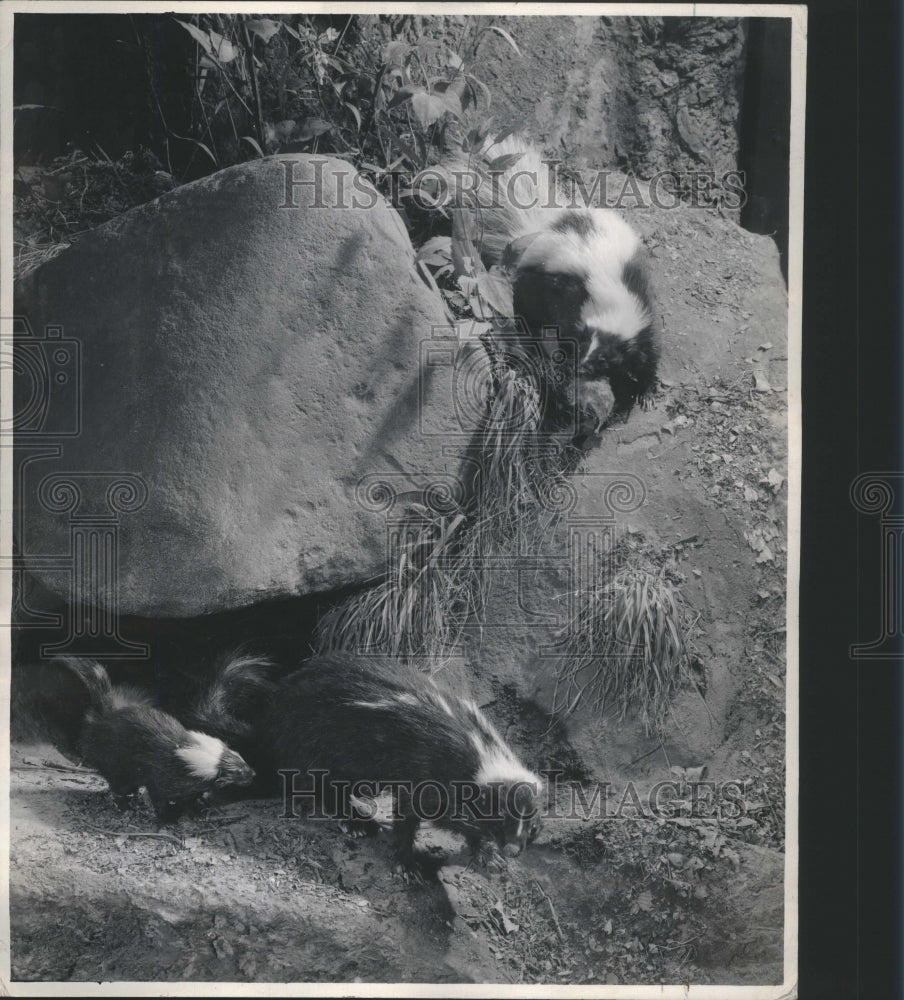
x,y
30,256
627,649
436,582
522,472
420,607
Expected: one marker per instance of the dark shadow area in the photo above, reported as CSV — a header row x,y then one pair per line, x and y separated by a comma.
x,y
765,130
49,702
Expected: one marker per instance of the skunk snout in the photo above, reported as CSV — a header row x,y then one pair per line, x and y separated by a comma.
x,y
234,771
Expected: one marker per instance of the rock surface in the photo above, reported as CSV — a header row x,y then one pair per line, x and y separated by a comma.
x,y
255,369
639,93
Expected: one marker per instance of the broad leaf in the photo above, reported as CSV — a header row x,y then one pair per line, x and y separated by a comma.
x,y
452,58
456,92
263,27
505,133
474,138
405,94
429,107
502,163
312,127
201,37
223,49
395,53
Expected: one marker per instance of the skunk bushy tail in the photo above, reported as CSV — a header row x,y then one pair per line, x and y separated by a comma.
x,y
94,677
235,695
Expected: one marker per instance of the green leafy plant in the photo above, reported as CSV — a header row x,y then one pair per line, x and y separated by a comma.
x,y
286,83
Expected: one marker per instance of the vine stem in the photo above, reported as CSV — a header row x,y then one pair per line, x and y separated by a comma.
x,y
255,88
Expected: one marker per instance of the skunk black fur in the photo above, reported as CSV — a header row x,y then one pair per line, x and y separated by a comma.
x,y
232,699
576,270
133,744
377,720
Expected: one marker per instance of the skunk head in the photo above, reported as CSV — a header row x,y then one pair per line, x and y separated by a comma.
x,y
210,760
233,770
508,813
521,819
582,276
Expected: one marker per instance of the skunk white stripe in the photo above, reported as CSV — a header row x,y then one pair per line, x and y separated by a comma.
x,y
613,244
499,764
128,697
604,251
443,704
203,755
437,696
489,731
617,311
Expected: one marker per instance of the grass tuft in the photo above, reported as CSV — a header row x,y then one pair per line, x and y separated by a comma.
x,y
436,582
626,646
627,649
28,257
521,471
420,607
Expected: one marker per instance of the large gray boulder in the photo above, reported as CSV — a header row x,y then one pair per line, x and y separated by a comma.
x,y
253,364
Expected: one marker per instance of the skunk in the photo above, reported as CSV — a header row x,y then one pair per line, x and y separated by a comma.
x,y
232,699
578,270
385,724
133,744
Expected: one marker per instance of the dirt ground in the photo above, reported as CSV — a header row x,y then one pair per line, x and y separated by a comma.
x,y
244,895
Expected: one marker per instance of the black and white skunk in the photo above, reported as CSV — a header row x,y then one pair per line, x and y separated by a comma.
x,y
378,721
232,699
132,744
578,270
